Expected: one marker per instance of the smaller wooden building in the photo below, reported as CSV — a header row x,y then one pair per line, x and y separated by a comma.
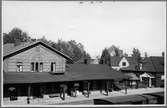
x,y
150,71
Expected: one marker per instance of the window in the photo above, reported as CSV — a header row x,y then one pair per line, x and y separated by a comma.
x,y
162,77
140,66
53,67
32,67
41,67
36,67
19,66
123,63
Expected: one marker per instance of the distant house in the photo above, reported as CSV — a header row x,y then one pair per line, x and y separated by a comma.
x,y
122,62
150,71
38,70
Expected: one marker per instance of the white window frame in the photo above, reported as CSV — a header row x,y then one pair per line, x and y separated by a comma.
x,y
53,67
162,77
123,63
32,67
19,67
40,66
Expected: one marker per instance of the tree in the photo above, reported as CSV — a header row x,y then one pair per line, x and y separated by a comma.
x,y
115,51
44,39
16,36
98,57
71,48
145,55
136,55
105,57
125,55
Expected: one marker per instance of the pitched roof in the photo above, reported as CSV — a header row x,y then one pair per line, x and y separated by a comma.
x,y
93,71
115,60
7,47
7,52
150,64
158,63
75,72
131,60
32,77
147,65
132,76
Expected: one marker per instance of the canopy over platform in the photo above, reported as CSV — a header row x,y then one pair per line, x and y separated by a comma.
x,y
74,72
147,75
132,76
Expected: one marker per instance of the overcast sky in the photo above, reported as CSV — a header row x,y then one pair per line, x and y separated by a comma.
x,y
125,24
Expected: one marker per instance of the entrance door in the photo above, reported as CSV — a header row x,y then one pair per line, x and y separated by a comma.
x,y
146,81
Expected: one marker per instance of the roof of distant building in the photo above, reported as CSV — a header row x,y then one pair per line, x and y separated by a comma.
x,y
158,63
150,64
115,60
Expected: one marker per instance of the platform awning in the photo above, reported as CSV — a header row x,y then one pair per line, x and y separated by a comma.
x,y
147,75
75,72
33,77
132,76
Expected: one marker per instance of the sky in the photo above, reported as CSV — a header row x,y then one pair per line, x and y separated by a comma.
x,y
96,25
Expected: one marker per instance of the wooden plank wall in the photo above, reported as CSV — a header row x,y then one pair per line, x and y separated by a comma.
x,y
35,54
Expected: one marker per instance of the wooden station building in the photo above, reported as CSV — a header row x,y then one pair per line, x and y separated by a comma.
x,y
36,70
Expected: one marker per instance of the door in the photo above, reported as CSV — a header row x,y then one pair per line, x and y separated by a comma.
x,y
145,80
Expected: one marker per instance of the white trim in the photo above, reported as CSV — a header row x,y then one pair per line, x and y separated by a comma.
x,y
123,60
146,75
